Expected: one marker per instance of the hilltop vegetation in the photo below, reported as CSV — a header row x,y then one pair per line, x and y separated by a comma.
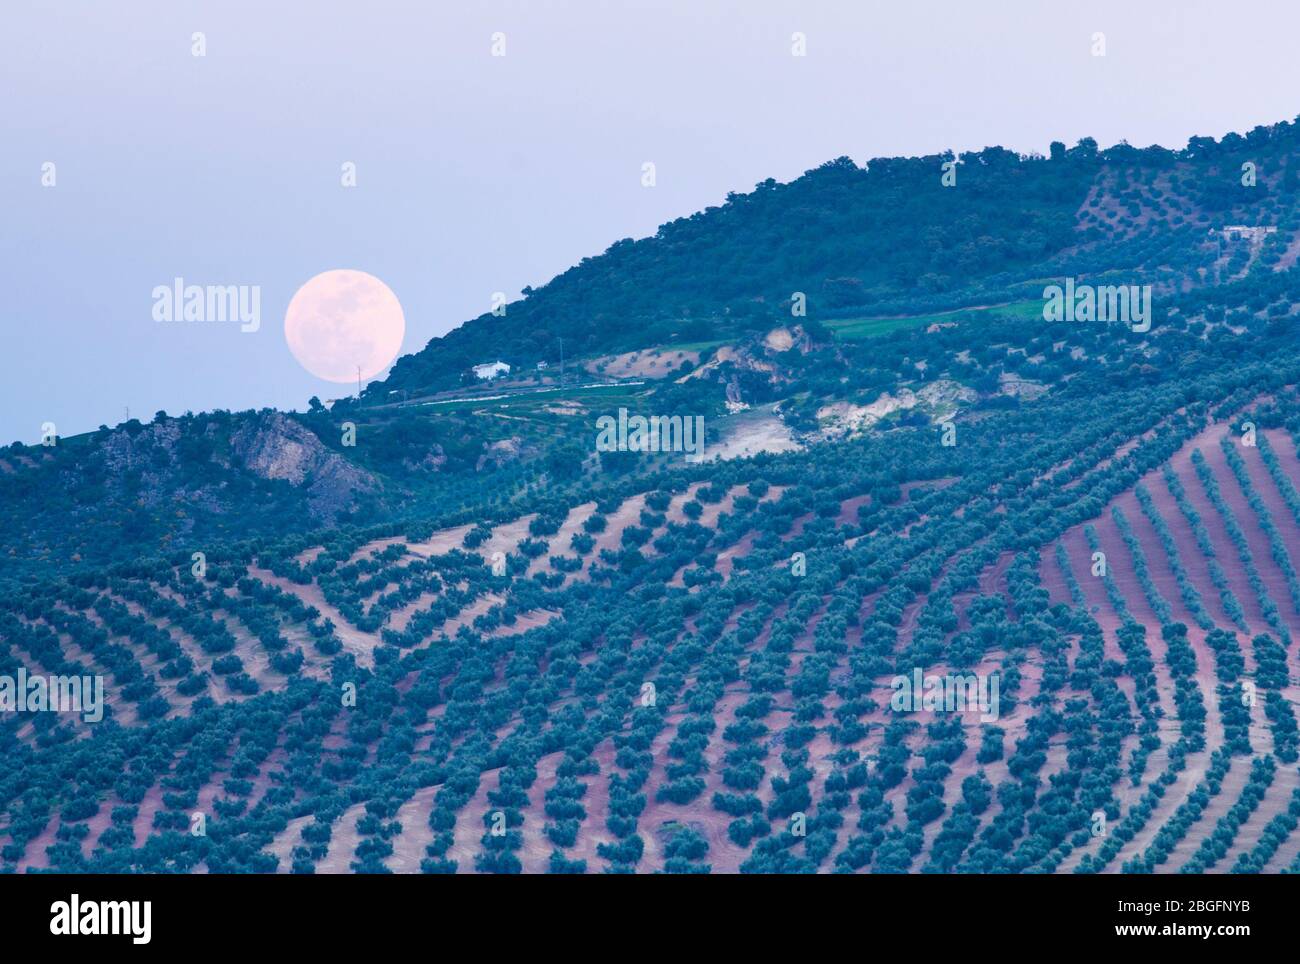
x,y
889,239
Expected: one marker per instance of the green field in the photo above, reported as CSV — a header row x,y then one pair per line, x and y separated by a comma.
x,y
854,328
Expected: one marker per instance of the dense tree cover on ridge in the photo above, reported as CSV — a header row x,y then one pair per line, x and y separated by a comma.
x,y
883,238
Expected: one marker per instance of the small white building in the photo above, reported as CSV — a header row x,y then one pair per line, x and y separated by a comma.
x,y
491,370
1246,232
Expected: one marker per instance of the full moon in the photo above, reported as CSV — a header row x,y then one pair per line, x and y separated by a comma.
x,y
341,320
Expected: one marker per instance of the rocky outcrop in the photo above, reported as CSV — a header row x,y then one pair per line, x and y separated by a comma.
x,y
755,369
432,461
139,450
939,399
273,446
780,340
504,451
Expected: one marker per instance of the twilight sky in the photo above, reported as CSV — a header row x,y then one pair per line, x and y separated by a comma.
x,y
477,174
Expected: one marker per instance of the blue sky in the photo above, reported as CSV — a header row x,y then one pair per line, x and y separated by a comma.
x,y
478,174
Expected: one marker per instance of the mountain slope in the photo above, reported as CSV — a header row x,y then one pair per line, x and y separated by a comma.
x,y
891,239
703,312
416,623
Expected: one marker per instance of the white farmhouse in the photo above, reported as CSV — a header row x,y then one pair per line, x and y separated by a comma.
x,y
1246,232
491,370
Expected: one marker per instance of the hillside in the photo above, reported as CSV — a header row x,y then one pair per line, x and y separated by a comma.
x,y
698,318
472,641
890,239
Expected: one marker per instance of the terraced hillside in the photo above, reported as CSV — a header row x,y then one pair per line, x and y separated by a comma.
x,y
692,670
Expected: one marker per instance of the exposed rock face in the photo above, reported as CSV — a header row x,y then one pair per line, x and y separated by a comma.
x,y
1023,388
753,370
433,461
946,394
124,452
739,359
275,447
151,452
779,339
938,399
501,452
